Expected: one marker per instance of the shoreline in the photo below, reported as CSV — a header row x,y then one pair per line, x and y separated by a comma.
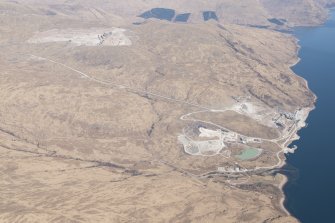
x,y
295,137
296,60
283,197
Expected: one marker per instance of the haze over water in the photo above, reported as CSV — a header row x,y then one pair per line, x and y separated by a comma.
x,y
311,197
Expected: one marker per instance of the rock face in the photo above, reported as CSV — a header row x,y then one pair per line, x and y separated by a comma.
x,y
89,132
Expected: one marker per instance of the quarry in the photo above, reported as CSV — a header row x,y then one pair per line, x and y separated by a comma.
x,y
81,37
218,139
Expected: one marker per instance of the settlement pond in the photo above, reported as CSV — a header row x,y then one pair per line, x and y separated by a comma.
x,y
249,153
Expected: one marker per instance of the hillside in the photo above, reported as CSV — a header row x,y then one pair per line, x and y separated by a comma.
x,y
109,117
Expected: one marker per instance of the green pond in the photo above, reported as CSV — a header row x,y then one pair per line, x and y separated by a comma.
x,y
249,153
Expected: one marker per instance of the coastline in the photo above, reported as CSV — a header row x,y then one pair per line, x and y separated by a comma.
x,y
316,66
282,199
295,137
296,59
